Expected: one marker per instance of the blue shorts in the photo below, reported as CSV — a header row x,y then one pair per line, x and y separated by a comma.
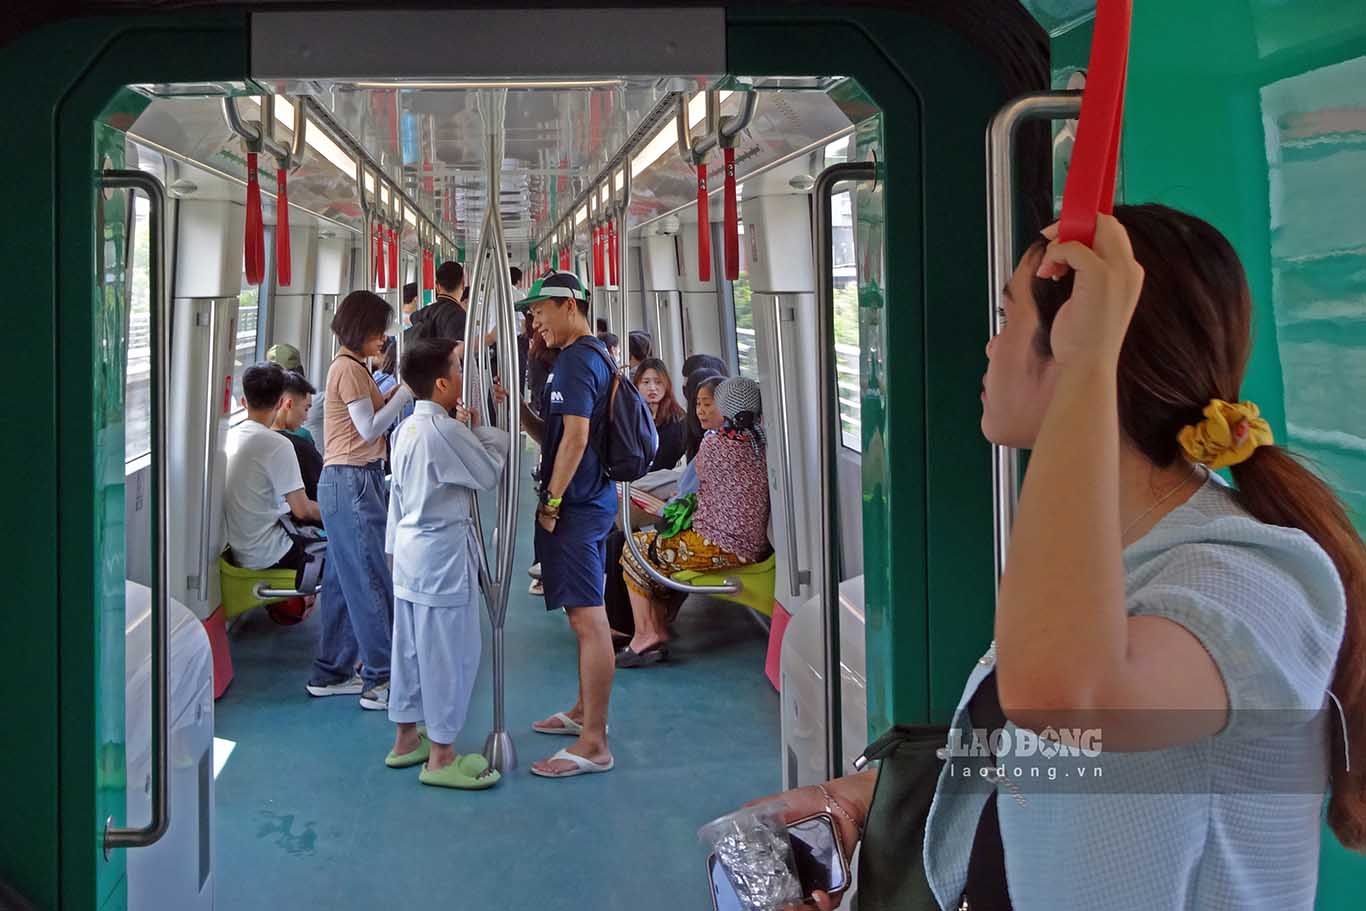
x,y
574,557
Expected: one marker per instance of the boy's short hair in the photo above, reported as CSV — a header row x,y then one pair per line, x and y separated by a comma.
x,y
424,362
609,339
296,385
262,385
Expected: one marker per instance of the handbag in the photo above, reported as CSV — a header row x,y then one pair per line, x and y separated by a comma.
x,y
891,873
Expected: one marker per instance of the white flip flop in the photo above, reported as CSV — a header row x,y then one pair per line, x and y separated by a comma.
x,y
571,728
582,766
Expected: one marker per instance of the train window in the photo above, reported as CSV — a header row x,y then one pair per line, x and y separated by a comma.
x,y
846,321
244,347
746,351
137,430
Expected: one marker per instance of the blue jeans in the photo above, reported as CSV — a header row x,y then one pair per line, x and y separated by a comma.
x,y
357,600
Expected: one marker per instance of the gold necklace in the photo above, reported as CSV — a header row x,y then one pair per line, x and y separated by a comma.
x,y
1165,497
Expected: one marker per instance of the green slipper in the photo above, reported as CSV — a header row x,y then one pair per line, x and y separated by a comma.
x,y
454,776
408,760
473,764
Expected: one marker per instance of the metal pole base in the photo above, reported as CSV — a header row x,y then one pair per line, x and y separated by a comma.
x,y
500,752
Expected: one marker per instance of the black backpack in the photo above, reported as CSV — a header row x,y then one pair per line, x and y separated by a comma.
x,y
625,439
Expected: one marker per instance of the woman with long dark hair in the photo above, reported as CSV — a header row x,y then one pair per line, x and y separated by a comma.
x,y
1207,641
657,389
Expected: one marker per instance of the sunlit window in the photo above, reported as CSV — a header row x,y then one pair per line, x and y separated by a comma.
x,y
137,406
746,351
846,321
244,349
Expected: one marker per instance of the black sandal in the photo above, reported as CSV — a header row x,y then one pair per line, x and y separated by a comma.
x,y
655,654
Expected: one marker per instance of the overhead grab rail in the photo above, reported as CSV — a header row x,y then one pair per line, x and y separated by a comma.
x,y
257,137
284,166
160,820
728,135
694,153
829,421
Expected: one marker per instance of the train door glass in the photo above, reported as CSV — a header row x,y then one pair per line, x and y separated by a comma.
x,y
846,320
137,428
746,350
244,348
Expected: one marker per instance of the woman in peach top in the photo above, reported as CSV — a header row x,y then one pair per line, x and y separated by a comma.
x,y
357,596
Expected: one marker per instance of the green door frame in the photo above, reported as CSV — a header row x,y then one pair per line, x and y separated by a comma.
x,y
927,525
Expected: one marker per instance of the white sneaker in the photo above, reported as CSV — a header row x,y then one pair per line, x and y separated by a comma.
x,y
376,698
534,571
340,688
537,587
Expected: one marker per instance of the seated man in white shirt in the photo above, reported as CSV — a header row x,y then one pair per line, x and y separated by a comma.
x,y
264,483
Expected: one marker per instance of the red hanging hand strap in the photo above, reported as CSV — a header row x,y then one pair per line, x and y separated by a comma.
x,y
379,257
1090,188
732,224
393,259
703,226
283,266
254,239
614,262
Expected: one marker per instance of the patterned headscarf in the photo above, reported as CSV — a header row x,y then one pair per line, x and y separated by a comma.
x,y
741,405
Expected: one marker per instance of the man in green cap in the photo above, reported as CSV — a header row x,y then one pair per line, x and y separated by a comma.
x,y
287,356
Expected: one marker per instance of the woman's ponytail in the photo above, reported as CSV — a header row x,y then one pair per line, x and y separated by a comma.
x,y
1275,488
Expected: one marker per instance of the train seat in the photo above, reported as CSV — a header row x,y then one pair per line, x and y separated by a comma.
x,y
238,586
756,583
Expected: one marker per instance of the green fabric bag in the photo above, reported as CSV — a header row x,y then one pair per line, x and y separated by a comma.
x,y
677,516
891,874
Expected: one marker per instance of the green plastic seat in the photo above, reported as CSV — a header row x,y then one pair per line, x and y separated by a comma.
x,y
236,585
756,583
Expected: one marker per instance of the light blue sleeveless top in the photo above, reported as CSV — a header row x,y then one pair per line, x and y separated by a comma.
x,y
1229,822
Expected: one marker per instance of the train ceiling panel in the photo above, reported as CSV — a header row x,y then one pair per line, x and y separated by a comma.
x,y
428,137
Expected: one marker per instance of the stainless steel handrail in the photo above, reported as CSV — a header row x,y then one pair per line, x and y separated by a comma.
x,y
828,441
731,127
116,836
210,446
1000,139
298,143
367,240
694,149
796,575
262,590
257,134
731,584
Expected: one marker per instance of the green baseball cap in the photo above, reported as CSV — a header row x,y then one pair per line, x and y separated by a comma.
x,y
287,356
556,284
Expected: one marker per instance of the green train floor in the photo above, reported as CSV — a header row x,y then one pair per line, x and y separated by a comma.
x,y
309,817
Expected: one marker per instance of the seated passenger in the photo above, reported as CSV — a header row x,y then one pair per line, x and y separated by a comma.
x,y
295,405
702,409
639,347
723,525
263,480
613,344
700,405
652,379
709,361
439,464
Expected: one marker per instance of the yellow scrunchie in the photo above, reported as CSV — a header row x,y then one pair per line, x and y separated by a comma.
x,y
1228,435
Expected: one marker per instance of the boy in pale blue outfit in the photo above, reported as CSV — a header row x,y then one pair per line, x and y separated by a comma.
x,y
439,464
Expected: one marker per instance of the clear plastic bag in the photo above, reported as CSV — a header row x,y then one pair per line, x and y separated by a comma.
x,y
753,849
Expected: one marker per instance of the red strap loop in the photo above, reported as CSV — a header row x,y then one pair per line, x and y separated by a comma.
x,y
283,266
732,224
703,226
254,239
1090,188
379,257
614,261
394,281
564,258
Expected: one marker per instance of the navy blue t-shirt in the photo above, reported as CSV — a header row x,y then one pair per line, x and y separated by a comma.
x,y
578,385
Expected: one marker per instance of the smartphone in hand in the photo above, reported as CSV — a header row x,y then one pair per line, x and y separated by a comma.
x,y
819,860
